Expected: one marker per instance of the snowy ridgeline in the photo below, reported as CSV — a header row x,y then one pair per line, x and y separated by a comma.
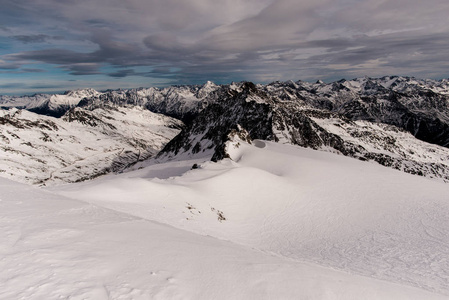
x,y
398,122
272,222
82,145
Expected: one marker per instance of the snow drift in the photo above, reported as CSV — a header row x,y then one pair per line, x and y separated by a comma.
x,y
297,204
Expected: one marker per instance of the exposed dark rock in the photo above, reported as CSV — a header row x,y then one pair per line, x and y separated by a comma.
x,y
211,126
220,150
85,117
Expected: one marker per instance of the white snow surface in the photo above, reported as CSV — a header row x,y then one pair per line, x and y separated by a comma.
x,y
45,150
56,248
70,99
275,222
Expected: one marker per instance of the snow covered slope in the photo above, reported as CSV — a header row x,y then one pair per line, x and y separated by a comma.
x,y
52,247
81,145
298,204
52,105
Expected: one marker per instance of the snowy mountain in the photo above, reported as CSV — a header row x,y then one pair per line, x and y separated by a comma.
x,y
81,145
399,122
52,105
294,120
179,101
420,107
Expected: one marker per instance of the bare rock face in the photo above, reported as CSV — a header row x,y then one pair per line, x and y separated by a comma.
x,y
242,106
235,136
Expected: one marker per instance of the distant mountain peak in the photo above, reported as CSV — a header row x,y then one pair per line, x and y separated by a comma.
x,y
389,120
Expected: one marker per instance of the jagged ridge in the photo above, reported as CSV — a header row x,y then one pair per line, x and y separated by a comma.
x,y
364,118
294,122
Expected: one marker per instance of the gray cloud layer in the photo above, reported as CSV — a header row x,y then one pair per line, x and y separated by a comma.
x,y
36,38
260,40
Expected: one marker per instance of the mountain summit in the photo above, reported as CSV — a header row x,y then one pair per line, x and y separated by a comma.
x,y
398,122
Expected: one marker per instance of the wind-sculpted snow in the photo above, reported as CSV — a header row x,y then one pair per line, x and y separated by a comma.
x,y
52,247
81,145
300,204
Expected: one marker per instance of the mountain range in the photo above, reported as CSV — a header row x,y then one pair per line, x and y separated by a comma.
x,y
398,122
289,190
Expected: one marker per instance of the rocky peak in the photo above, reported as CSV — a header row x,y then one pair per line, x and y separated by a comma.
x,y
245,106
231,140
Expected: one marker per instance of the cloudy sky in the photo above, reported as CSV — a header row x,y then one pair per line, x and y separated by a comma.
x,y
56,45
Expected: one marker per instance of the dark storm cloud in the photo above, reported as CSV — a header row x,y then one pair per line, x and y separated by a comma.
x,y
260,40
18,70
12,85
82,68
123,73
32,70
331,45
400,51
53,56
112,52
44,86
288,40
9,66
37,38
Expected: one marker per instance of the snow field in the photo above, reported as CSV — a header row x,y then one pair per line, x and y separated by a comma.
x,y
56,248
297,204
